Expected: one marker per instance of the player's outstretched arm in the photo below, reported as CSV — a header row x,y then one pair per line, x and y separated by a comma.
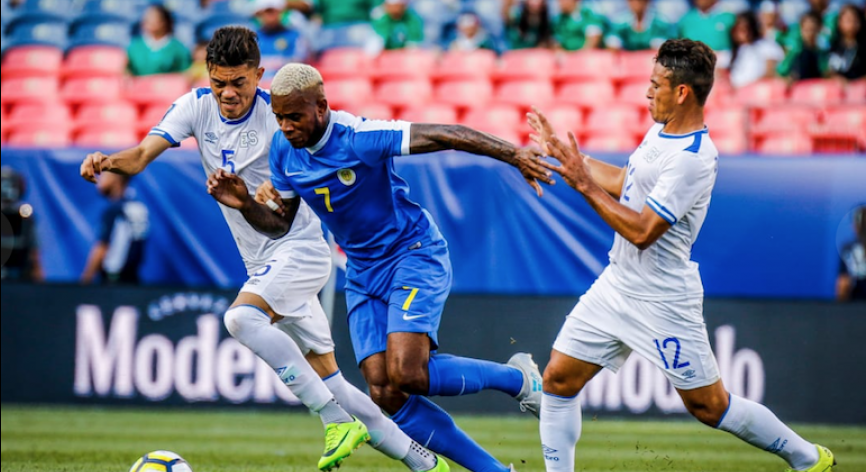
x,y
231,191
425,137
609,177
128,162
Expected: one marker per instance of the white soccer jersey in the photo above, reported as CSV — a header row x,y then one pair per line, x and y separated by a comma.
x,y
674,175
240,146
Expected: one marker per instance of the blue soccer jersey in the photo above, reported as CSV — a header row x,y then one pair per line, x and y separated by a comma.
x,y
348,179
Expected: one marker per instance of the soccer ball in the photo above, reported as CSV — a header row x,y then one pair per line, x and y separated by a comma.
x,y
161,461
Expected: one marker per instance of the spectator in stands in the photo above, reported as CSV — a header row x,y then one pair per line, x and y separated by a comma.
x,y
119,251
527,24
771,24
278,43
335,12
471,34
851,283
848,50
752,57
806,59
638,29
198,72
711,24
20,260
399,26
156,50
826,30
577,27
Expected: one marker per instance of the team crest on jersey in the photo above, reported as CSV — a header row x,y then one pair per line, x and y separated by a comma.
x,y
347,177
652,154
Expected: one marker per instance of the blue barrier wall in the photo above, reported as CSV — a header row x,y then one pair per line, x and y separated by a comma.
x,y
772,231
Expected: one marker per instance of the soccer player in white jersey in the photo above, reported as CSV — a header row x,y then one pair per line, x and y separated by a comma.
x,y
277,314
650,298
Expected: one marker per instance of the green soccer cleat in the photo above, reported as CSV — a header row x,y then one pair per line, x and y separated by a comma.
x,y
441,465
826,461
341,440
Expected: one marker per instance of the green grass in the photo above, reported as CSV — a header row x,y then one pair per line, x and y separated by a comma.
x,y
110,440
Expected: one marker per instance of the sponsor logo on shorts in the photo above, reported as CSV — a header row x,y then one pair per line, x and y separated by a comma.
x,y
254,281
689,374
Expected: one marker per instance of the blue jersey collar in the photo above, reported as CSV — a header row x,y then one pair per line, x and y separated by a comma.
x,y
662,134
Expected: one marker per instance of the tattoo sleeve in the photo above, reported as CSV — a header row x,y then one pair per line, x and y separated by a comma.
x,y
271,224
434,137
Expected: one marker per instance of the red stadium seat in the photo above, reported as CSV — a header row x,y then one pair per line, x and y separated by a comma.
x,y
855,92
28,115
505,116
342,93
526,64
466,65
730,143
614,142
82,90
40,135
404,93
564,119
373,111
851,118
617,118
100,61
432,113
157,89
151,117
588,65
721,95
464,93
762,93
31,61
30,89
345,63
791,118
101,114
525,93
636,65
818,92
633,93
587,94
405,64
107,138
785,144
731,120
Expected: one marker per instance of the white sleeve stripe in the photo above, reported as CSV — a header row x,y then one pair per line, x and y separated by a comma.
x,y
288,194
404,145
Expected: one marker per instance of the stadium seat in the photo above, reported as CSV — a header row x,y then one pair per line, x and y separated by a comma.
x,y
184,10
33,114
150,117
635,65
721,95
206,28
157,89
30,89
229,7
790,118
99,115
525,93
730,120
504,116
105,11
818,92
114,34
464,94
344,36
42,33
39,11
633,93
563,118
342,93
616,142
82,90
587,65
609,118
345,63
785,144
404,93
95,61
856,92
405,64
526,64
432,113
106,138
586,94
730,143
846,117
32,61
765,92
466,65
373,111
42,135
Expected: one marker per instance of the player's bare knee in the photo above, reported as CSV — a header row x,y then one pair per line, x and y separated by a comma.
x,y
559,382
708,413
412,382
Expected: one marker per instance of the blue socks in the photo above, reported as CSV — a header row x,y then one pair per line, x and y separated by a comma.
x,y
432,427
452,376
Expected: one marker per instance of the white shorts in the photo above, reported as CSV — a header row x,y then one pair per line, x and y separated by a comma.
x,y
290,284
606,326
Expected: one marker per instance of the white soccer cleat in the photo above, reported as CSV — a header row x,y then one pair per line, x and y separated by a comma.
x,y
530,395
511,468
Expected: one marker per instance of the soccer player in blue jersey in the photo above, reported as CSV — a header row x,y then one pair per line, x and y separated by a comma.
x,y
399,273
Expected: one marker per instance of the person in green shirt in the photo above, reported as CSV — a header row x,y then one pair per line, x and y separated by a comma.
x,y
708,23
638,30
527,25
344,11
156,50
826,33
577,27
807,59
399,26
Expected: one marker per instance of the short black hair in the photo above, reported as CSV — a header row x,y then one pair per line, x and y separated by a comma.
x,y
233,46
692,63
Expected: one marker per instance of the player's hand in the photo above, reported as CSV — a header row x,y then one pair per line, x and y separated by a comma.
x,y
228,189
267,193
529,161
92,166
573,168
543,130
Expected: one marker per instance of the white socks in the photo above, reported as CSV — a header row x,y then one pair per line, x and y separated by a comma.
x,y
386,437
560,425
758,426
252,328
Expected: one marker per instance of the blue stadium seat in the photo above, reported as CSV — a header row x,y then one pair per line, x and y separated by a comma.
x,y
344,36
110,33
184,31
230,8
105,11
672,10
39,33
436,16
204,31
183,10
490,13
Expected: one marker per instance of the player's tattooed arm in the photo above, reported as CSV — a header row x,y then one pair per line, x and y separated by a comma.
x,y
426,137
231,191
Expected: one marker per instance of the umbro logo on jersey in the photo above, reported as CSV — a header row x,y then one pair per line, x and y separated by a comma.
x,y
211,138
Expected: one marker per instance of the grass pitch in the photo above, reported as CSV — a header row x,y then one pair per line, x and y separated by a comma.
x,y
110,440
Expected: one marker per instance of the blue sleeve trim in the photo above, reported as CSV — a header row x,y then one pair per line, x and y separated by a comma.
x,y
264,95
325,379
164,135
666,214
202,92
254,308
725,413
696,144
560,396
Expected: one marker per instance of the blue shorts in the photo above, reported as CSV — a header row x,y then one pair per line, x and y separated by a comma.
x,y
405,294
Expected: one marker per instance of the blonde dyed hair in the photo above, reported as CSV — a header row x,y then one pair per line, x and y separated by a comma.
x,y
295,77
